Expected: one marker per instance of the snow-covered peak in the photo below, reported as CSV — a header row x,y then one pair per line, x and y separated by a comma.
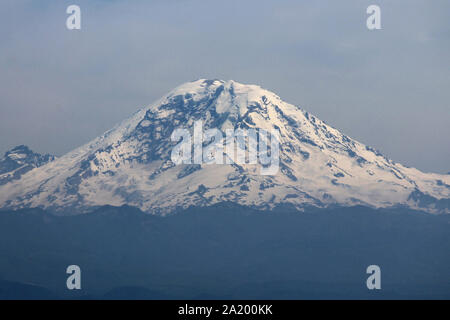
x,y
131,163
18,161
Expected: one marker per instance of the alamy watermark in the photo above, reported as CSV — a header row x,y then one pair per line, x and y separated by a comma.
x,y
73,22
240,146
374,280
373,22
74,280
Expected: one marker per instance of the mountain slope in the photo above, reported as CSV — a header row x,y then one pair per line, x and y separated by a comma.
x,y
131,164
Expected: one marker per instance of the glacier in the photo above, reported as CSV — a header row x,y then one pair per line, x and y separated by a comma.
x,y
131,164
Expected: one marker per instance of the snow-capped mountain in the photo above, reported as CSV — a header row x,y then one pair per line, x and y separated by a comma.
x,y
131,163
18,161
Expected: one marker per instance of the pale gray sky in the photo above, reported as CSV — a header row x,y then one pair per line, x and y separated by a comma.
x,y
387,88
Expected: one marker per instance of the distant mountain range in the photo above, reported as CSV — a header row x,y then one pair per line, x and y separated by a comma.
x,y
225,251
131,164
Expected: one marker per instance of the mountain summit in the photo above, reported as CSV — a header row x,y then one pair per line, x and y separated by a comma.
x,y
131,163
18,161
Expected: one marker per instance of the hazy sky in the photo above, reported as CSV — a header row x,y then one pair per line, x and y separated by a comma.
x,y
387,88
